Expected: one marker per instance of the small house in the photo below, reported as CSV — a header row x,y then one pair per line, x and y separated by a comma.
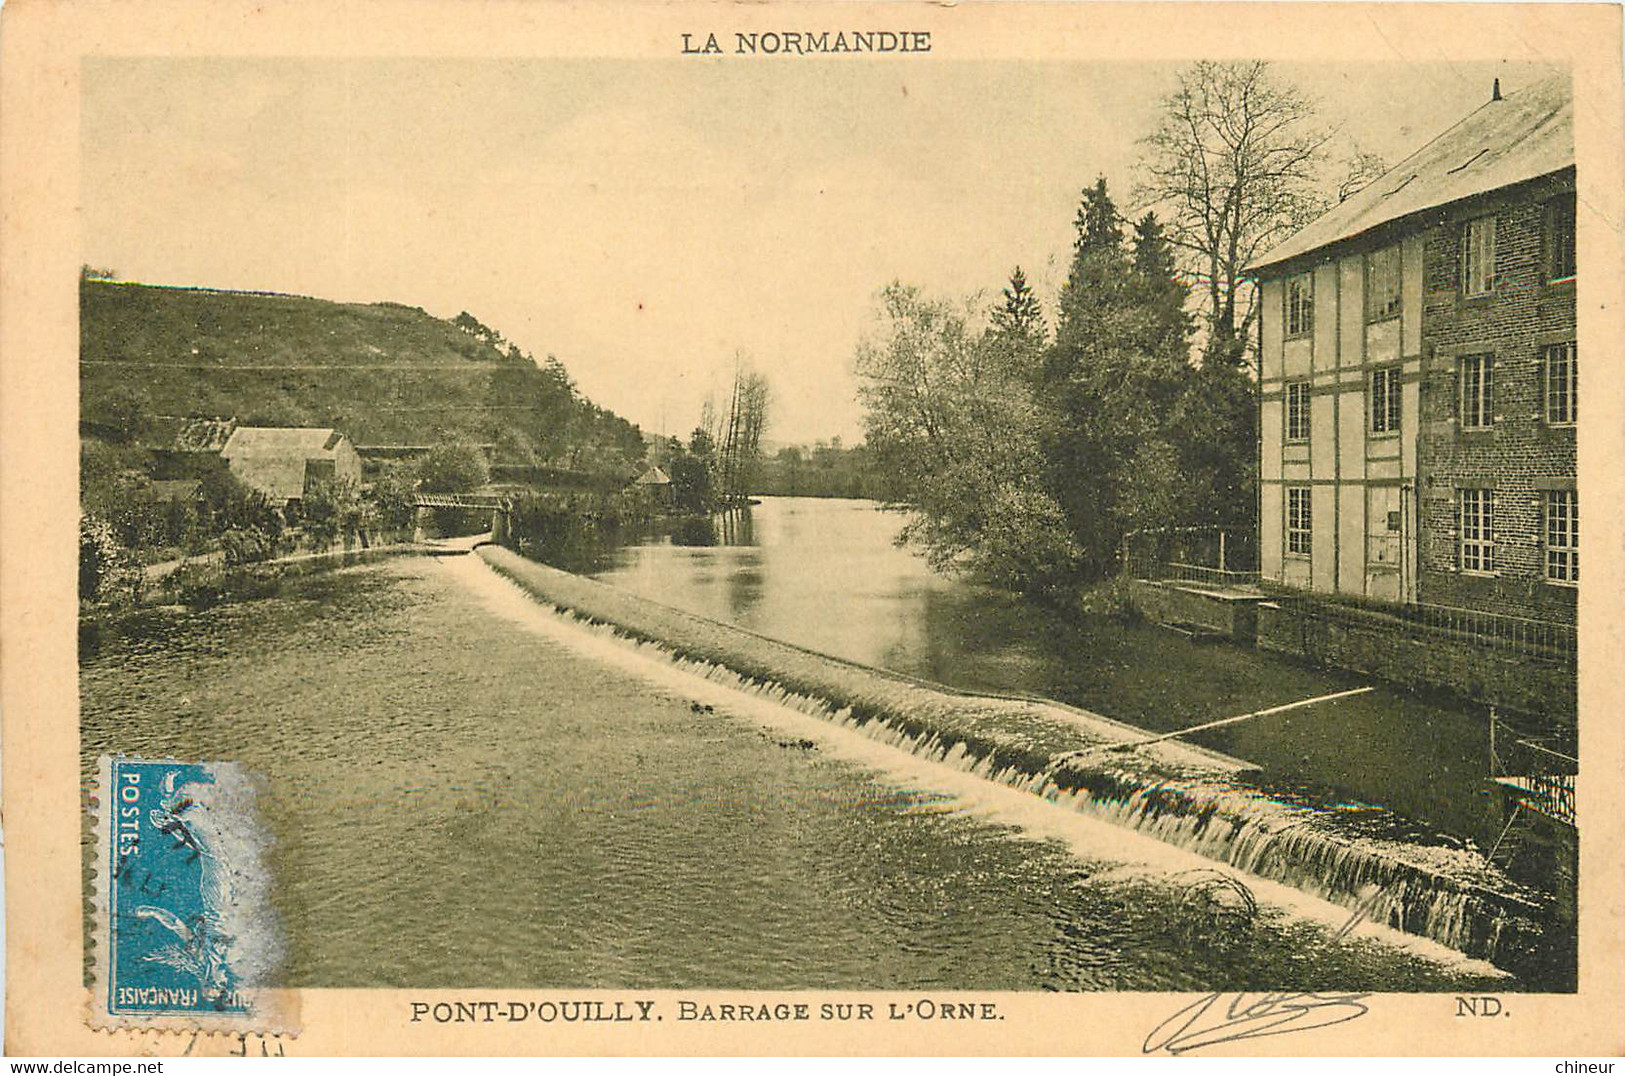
x,y
654,484
283,462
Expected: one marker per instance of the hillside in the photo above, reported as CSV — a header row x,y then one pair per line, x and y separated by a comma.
x,y
384,374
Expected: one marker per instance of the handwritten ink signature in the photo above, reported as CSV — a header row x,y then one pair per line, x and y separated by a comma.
x,y
1208,1021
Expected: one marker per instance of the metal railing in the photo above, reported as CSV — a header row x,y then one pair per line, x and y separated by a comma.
x,y
1550,794
1538,770
1177,572
1501,631
1212,555
1544,640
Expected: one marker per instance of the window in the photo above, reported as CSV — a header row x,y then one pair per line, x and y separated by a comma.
x,y
1477,392
1478,256
1477,531
1562,536
1562,384
1382,284
1385,398
1297,520
1300,306
1297,410
1560,239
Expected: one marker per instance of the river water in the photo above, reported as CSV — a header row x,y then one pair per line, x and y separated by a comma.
x,y
828,574
464,789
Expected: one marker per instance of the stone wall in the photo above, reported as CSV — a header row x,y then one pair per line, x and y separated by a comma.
x,y
1404,654
1230,615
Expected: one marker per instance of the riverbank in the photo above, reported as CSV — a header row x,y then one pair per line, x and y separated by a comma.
x,y
193,585
1428,885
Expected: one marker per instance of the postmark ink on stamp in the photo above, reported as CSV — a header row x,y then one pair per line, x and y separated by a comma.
x,y
186,935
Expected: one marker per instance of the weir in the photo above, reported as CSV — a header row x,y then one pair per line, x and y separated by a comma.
x,y
1354,855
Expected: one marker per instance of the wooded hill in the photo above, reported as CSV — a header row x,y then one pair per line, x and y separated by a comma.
x,y
384,374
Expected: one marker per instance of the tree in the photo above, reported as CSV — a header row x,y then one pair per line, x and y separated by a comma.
x,y
1359,169
332,510
1119,365
1020,316
453,468
1234,163
951,416
126,412
394,496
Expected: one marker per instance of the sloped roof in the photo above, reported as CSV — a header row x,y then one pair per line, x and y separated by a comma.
x,y
166,489
654,476
297,442
1522,136
203,434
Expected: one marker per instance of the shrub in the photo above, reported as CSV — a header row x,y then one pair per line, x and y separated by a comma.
x,y
331,509
453,468
105,567
394,497
246,545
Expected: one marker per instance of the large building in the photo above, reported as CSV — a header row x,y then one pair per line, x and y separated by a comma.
x,y
1418,374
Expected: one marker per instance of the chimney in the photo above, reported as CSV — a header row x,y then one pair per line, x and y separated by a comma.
x,y
1495,94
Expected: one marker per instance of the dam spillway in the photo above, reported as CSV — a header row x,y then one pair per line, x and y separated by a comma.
x,y
1354,855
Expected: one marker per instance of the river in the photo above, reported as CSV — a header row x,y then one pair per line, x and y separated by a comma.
x,y
464,789
828,574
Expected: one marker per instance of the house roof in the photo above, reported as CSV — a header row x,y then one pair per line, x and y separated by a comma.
x,y
654,476
301,442
203,434
1522,136
167,489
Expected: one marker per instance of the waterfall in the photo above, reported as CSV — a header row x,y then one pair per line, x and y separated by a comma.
x,y
1420,884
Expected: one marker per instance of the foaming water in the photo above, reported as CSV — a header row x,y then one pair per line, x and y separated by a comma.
x,y
1139,831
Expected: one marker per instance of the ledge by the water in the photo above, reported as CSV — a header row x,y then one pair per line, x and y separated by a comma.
x,y
1030,733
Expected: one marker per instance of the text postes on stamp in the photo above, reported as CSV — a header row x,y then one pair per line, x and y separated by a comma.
x,y
186,936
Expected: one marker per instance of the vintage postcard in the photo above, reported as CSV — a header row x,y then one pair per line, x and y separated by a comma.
x,y
811,528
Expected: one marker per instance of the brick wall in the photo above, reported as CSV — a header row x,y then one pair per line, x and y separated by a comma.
x,y
1520,455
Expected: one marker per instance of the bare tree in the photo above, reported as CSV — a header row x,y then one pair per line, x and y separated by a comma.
x,y
1232,168
740,429
1359,170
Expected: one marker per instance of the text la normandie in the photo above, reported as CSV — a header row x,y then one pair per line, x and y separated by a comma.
x,y
805,43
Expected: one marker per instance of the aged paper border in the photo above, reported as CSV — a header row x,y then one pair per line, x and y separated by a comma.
x,y
41,45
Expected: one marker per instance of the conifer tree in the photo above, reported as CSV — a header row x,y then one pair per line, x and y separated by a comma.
x,y
1020,316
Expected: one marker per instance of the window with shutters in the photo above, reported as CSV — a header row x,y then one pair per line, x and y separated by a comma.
x,y
1478,256
1477,531
1563,536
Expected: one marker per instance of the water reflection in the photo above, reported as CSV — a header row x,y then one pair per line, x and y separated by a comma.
x,y
828,574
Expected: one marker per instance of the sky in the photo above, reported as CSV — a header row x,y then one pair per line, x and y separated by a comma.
x,y
644,220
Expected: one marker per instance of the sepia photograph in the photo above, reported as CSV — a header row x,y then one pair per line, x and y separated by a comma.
x,y
806,525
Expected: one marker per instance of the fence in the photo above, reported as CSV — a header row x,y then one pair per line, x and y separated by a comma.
x,y
1544,640
1541,768
1216,556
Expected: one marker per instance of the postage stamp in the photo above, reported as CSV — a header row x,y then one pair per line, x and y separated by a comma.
x,y
185,932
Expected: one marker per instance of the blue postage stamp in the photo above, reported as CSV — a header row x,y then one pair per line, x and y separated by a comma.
x,y
186,934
